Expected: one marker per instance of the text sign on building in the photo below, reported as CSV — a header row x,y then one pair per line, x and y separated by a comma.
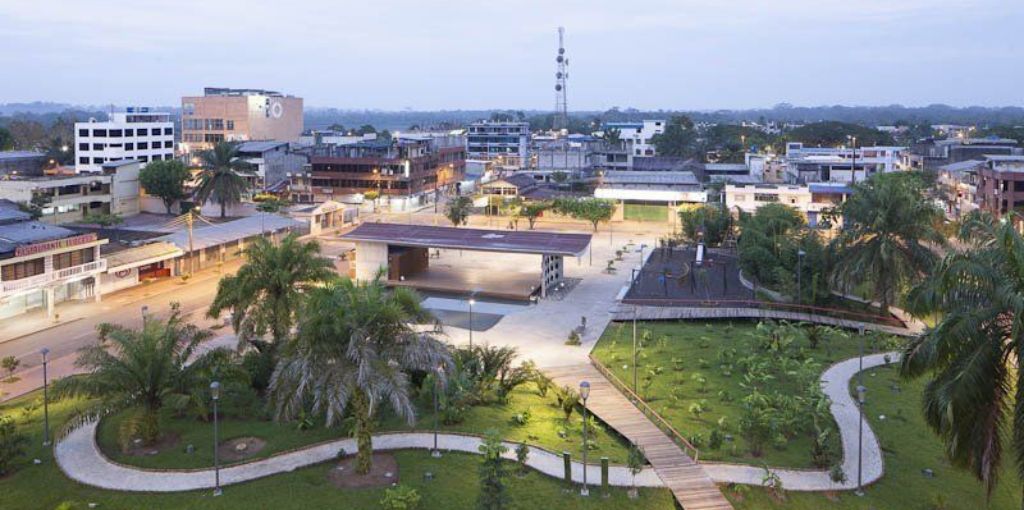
x,y
56,244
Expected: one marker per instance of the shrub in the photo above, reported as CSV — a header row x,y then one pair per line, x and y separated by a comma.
x,y
715,439
400,497
493,495
574,338
521,418
836,474
522,454
12,444
567,400
10,364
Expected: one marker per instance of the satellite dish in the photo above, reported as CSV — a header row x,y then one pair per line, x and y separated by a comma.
x,y
559,58
558,87
558,75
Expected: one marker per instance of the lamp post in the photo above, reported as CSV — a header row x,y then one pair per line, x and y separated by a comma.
x,y
799,275
437,388
215,396
635,388
861,390
584,394
471,303
46,398
853,166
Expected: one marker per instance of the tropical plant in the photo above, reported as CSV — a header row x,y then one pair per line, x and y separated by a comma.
x,y
493,494
165,180
888,236
533,210
266,292
12,443
356,345
635,461
972,352
221,179
10,364
522,454
141,369
400,497
567,399
457,210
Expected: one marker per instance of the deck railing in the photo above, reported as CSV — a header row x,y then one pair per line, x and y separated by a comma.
x,y
648,411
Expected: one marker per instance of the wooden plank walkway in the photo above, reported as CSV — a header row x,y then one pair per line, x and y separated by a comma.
x,y
624,312
689,483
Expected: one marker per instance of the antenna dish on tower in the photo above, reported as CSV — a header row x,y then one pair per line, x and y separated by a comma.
x,y
561,120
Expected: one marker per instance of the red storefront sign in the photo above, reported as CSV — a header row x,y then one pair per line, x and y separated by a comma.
x,y
56,244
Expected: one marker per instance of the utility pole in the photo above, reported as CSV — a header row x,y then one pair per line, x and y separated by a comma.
x,y
191,249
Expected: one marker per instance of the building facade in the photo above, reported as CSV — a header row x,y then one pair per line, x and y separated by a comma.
x,y
271,161
66,199
137,134
506,143
22,163
841,164
813,200
1001,185
238,115
638,136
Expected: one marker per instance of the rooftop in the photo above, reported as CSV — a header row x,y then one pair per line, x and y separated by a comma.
x,y
667,178
261,146
508,241
14,155
21,233
221,233
10,212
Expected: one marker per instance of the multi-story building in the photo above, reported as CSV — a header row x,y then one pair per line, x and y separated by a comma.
x,y
1001,184
960,183
505,143
72,198
813,200
22,163
933,153
271,162
238,115
42,265
638,136
407,171
841,164
137,133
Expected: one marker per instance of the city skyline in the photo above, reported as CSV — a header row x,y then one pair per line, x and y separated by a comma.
x,y
692,55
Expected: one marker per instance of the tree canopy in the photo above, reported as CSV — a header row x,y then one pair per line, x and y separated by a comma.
x,y
832,133
679,138
165,180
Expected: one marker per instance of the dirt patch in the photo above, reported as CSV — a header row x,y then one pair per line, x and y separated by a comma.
x,y
166,442
384,473
240,448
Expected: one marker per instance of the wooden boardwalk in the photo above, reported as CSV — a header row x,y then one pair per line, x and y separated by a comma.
x,y
624,312
691,486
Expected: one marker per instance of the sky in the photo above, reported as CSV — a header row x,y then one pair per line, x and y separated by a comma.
x,y
454,54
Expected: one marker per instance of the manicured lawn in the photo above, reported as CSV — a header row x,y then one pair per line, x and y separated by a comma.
x,y
44,487
546,427
691,350
642,212
909,447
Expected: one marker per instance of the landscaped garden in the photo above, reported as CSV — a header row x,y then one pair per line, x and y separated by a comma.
x,y
738,391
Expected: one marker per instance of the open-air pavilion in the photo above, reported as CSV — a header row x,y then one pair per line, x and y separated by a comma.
x,y
432,259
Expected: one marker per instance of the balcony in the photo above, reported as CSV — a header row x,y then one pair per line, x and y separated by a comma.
x,y
41,280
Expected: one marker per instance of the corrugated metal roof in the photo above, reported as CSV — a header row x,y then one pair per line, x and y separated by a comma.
x,y
141,255
507,241
654,178
221,233
260,146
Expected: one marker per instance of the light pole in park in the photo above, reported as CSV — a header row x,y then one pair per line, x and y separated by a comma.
x,y
861,391
584,394
471,303
799,275
635,388
215,396
45,352
436,453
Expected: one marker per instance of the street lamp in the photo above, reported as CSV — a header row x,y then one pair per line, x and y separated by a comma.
x,y
471,303
634,351
584,394
861,391
215,396
46,399
799,274
437,388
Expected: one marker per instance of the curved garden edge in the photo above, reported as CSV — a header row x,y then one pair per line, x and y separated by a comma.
x,y
79,457
835,383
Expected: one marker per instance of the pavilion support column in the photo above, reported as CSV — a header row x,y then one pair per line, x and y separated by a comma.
x,y
551,273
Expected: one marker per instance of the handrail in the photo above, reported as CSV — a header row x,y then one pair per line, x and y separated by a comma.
x,y
792,307
645,408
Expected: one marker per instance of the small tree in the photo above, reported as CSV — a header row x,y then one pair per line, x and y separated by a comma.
x,y
567,400
493,495
458,210
10,364
165,180
12,443
522,454
534,210
635,462
594,210
372,196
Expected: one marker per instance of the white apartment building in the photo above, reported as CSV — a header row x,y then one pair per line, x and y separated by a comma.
x,y
133,134
638,136
72,198
842,164
505,143
811,199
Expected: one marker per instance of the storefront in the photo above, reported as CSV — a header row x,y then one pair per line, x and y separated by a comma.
x,y
131,266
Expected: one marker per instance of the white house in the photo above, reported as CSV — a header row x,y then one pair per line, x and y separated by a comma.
x,y
134,134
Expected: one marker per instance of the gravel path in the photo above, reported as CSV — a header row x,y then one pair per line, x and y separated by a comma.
x,y
835,383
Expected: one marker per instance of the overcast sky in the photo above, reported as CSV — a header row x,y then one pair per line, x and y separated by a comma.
x,y
649,54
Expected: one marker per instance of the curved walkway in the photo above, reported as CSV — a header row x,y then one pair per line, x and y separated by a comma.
x,y
835,382
80,458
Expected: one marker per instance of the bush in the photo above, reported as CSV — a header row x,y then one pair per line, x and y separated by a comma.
x,y
574,338
715,439
522,454
12,444
400,497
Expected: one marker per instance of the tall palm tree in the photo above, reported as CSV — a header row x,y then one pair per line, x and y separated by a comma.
x,y
889,232
141,369
974,350
355,348
266,292
221,179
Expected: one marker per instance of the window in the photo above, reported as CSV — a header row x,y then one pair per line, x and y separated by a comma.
x,y
169,144
143,132
129,146
765,197
157,157
168,131
231,125
97,146
102,133
74,258
23,269
129,132
97,161
83,160
83,132
143,145
83,146
116,133
144,159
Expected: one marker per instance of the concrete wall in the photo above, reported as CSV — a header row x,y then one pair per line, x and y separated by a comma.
x,y
370,257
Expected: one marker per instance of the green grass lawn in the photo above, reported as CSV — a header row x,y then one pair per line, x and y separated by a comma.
x,y
546,428
43,486
696,346
644,212
909,447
